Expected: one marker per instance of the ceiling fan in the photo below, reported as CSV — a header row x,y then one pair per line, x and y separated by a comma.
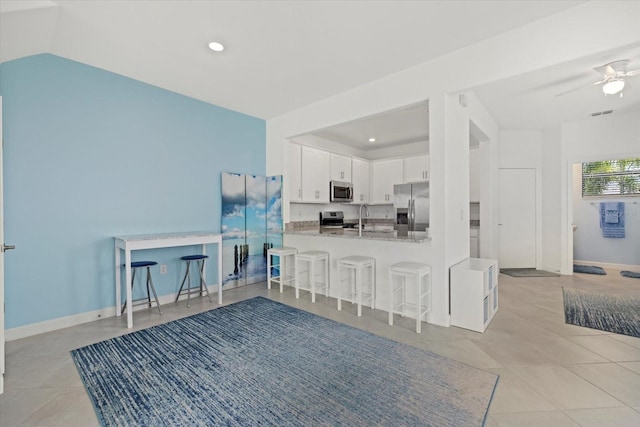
x,y
613,77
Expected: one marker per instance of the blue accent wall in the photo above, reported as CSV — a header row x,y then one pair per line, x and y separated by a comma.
x,y
89,155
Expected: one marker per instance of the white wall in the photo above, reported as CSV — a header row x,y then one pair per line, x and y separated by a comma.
x,y
588,242
552,244
609,137
523,150
527,49
613,136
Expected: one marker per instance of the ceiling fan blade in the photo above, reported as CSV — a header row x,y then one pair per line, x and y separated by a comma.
x,y
582,87
605,70
633,72
613,68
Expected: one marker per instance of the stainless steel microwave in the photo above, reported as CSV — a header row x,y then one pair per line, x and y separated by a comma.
x,y
341,191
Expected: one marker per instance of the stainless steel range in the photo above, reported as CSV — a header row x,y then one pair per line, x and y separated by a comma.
x,y
332,222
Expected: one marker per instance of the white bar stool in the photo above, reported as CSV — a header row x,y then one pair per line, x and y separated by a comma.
x,y
286,271
312,258
357,264
416,271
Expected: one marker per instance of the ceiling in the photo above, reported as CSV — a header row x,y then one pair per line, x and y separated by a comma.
x,y
525,102
398,127
279,56
529,101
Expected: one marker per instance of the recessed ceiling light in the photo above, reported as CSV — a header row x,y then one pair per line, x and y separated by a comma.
x,y
372,140
216,47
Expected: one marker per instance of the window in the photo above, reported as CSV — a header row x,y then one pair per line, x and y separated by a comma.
x,y
611,178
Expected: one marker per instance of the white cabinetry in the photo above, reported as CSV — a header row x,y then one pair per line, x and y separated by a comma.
x,y
360,172
340,168
474,293
295,178
315,175
416,169
384,175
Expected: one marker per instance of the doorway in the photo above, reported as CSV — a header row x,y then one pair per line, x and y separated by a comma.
x,y
517,218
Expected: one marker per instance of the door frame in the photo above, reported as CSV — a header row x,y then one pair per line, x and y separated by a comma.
x,y
2,310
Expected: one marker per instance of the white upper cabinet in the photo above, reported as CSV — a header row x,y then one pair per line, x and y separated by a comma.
x,y
416,169
360,172
294,177
316,174
384,175
340,168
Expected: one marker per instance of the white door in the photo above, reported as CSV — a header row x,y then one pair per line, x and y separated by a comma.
x,y
1,264
517,218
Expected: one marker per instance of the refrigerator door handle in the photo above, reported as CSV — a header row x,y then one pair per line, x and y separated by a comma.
x,y
413,215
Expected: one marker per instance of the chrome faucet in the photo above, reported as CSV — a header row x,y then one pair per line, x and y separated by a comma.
x,y
366,214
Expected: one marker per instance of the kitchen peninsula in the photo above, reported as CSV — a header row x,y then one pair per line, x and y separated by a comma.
x,y
385,247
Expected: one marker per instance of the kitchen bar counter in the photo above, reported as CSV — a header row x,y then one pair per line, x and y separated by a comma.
x,y
391,236
386,248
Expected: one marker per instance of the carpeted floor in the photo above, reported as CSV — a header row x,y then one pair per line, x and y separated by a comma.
x,y
259,362
601,311
527,272
589,269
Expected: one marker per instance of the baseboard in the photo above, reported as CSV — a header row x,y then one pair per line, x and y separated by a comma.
x,y
59,323
605,265
80,318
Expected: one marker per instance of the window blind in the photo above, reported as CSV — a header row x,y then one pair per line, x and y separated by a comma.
x,y
611,178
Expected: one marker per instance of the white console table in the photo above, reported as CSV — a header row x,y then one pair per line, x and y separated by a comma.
x,y
153,241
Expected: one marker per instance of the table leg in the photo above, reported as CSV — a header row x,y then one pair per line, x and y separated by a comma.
x,y
127,279
204,270
220,273
118,283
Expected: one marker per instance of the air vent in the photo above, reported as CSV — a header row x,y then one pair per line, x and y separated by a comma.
x,y
601,113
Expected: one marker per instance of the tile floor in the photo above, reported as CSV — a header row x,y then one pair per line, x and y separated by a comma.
x,y
551,373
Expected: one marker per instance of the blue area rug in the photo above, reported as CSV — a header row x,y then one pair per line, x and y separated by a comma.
x,y
631,274
589,269
604,312
259,362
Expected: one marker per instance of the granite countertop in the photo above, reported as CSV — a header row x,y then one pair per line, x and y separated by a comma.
x,y
416,237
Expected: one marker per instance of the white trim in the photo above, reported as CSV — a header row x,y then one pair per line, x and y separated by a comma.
x,y
606,265
59,323
86,317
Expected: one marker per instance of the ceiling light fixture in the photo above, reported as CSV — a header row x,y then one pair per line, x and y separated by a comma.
x,y
372,140
613,86
216,46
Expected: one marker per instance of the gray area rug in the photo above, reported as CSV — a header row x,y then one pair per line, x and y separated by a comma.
x,y
527,272
604,312
631,274
589,269
259,362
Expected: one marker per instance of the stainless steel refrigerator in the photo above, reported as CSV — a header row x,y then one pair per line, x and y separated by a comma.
x,y
411,206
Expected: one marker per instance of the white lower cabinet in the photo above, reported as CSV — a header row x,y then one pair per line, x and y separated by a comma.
x,y
474,293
